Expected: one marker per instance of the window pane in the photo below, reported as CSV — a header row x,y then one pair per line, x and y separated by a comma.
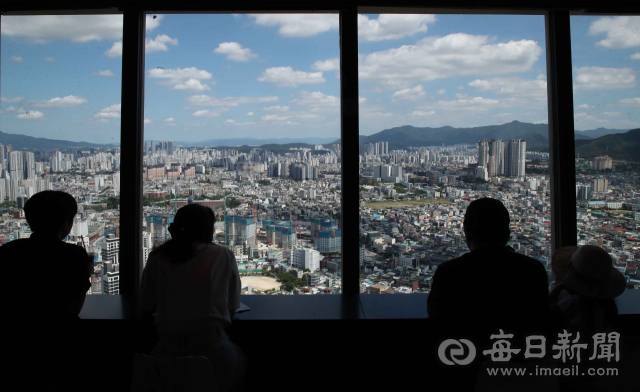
x,y
452,108
61,128
605,53
246,108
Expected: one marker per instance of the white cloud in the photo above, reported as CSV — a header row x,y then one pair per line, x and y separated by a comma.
x,y
635,56
286,76
49,59
159,44
17,59
513,86
68,101
31,115
229,121
234,51
594,78
192,85
250,114
468,103
273,117
16,99
112,111
115,50
147,121
622,31
629,102
584,106
583,116
317,101
611,114
299,25
419,113
277,108
170,119
103,73
460,87
327,65
442,91
409,94
206,113
11,109
449,56
392,26
102,121
78,28
153,21
205,100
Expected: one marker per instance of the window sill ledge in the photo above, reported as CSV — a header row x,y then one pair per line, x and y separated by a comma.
x,y
318,307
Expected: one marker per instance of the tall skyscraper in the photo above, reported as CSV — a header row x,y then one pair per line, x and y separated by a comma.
x,y
16,165
29,165
496,158
483,153
515,153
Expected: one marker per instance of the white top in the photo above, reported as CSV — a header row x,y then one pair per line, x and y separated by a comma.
x,y
200,291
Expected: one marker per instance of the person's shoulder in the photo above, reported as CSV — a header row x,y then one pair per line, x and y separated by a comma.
x,y
458,262
528,262
14,245
223,250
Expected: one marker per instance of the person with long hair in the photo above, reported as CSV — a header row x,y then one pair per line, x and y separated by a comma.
x,y
194,287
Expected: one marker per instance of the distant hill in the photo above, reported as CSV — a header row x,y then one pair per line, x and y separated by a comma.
x,y
22,142
536,135
621,146
596,133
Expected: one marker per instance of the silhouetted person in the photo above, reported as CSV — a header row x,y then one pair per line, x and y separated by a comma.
x,y
487,289
194,287
46,281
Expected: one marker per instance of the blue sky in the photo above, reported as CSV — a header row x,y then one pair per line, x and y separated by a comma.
x,y
270,75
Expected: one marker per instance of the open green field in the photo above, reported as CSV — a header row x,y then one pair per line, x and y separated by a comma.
x,y
377,205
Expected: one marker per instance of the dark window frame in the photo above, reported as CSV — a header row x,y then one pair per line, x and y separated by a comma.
x,y
559,96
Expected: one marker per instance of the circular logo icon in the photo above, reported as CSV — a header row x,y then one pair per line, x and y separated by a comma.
x,y
454,356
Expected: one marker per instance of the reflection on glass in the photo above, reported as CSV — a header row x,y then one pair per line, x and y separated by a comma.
x,y
452,108
242,115
60,126
605,55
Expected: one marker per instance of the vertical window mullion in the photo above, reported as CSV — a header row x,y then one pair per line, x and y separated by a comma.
x,y
131,149
561,130
349,150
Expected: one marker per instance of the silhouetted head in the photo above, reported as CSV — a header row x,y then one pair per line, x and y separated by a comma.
x,y
561,261
193,222
486,223
51,213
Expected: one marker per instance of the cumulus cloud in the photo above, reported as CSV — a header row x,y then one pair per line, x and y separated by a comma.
x,y
317,101
250,114
611,114
409,94
468,103
327,65
77,28
147,121
286,76
192,85
49,59
630,102
68,101
12,109
392,26
277,108
595,78
159,44
206,113
298,25
621,31
635,56
229,121
584,106
273,117
115,50
234,51
583,116
103,73
442,57
513,86
170,119
419,113
16,99
31,115
17,59
112,111
206,100
442,91
187,79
